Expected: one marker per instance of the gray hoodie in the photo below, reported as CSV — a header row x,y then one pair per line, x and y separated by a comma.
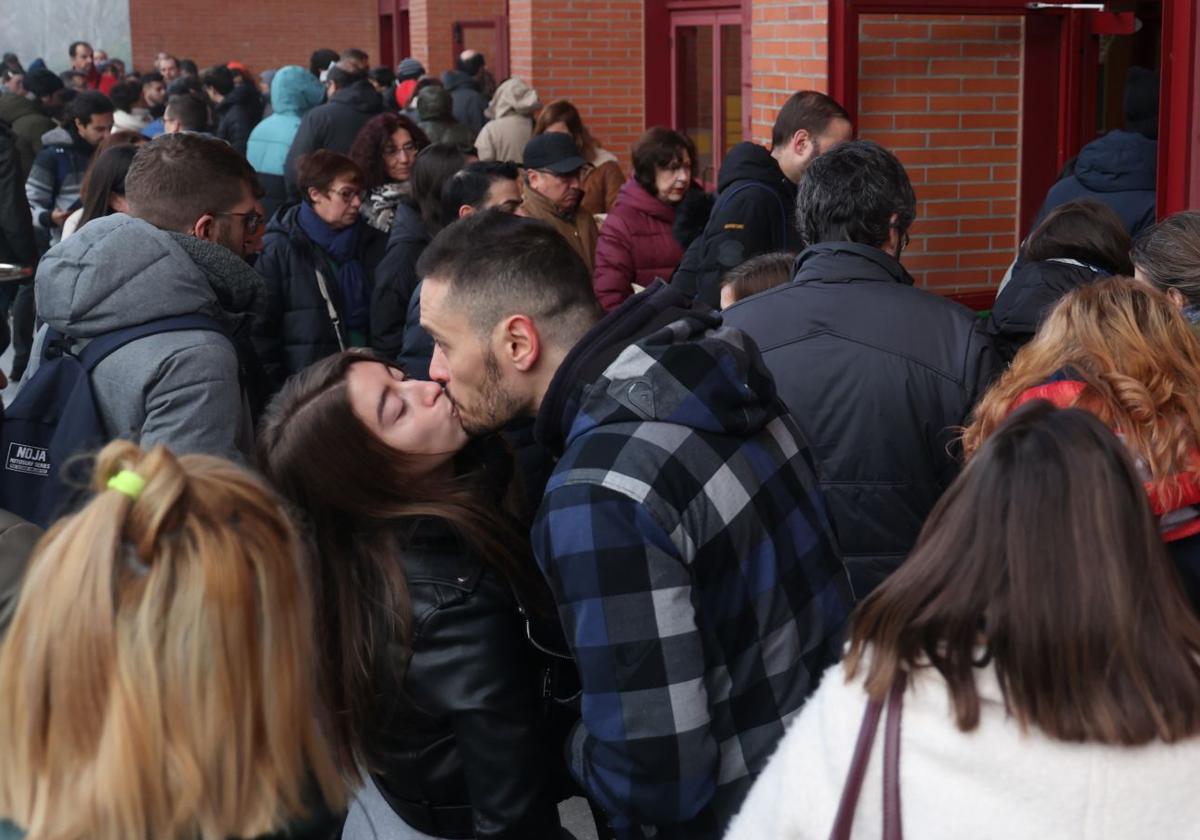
x,y
180,389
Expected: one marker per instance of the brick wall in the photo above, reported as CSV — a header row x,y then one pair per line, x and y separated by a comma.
x,y
790,53
588,51
430,26
944,93
261,34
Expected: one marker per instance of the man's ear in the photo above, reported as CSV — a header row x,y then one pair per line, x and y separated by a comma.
x,y
801,140
205,228
520,342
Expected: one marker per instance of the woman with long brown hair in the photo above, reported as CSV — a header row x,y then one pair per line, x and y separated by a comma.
x,y
157,680
1124,352
602,182
1037,651
1167,256
431,682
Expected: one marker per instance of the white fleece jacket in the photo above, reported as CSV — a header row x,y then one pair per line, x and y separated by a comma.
x,y
994,782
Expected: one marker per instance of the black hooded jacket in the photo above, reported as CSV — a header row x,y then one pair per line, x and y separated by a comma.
x,y
754,214
470,106
1028,298
333,125
878,374
294,328
237,114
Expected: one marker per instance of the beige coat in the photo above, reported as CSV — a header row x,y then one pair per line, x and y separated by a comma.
x,y
512,110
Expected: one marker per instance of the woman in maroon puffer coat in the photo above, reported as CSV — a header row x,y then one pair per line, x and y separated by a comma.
x,y
636,243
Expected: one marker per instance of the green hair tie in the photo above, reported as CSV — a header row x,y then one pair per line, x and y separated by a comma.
x,y
127,482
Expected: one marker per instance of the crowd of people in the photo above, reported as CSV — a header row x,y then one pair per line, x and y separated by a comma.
x,y
448,465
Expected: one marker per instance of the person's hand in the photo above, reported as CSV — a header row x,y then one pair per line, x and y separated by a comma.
x,y
58,217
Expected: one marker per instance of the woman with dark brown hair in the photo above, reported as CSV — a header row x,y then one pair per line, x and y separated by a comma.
x,y
1051,660
602,183
1124,352
637,243
433,687
103,189
385,149
1080,242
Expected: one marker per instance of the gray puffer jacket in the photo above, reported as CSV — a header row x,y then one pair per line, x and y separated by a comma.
x,y
181,389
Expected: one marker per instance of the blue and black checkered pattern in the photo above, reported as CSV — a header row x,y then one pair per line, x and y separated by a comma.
x,y
697,575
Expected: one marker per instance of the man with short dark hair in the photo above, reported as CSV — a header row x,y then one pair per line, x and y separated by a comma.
x,y
154,93
237,107
57,174
320,60
180,251
335,124
31,118
879,374
554,189
185,112
356,59
126,115
83,61
757,193
682,532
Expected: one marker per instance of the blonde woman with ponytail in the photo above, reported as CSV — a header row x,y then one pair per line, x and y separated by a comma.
x,y
157,679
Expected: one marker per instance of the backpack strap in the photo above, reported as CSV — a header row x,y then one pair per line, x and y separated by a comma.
x,y
101,347
745,185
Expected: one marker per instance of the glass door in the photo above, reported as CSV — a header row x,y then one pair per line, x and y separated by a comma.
x,y
706,84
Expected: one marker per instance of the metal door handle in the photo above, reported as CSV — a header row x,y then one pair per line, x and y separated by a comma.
x,y
1082,7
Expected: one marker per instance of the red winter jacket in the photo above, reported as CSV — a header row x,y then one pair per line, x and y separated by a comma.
x,y
635,245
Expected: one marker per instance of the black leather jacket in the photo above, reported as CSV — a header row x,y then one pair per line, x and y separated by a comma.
x,y
461,749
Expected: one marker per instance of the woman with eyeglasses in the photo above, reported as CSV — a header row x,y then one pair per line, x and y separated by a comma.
x,y
418,219
637,243
319,261
434,683
385,149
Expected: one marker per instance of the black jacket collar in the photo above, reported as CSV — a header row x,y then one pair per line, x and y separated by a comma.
x,y
843,262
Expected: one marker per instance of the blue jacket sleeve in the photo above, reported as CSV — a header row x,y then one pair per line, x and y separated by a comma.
x,y
643,750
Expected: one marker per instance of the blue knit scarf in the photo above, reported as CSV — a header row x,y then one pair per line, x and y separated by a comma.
x,y
342,248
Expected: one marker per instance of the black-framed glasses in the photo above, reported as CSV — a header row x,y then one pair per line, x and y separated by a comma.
x,y
252,220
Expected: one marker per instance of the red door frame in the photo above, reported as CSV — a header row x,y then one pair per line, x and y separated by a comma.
x,y
1055,41
397,10
716,18
498,58
1179,112
660,64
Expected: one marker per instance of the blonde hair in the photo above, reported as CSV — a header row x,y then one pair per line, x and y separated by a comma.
x,y
1140,364
158,677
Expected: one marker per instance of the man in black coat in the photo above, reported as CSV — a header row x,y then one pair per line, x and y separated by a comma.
x,y
17,244
335,124
757,193
878,373
237,108
469,103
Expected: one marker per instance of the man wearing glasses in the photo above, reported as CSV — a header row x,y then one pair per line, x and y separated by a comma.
x,y
554,171
181,251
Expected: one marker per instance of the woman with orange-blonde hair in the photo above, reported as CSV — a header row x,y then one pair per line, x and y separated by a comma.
x,y
1123,351
157,678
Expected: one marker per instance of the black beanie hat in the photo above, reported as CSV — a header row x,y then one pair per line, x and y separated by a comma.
x,y
1141,101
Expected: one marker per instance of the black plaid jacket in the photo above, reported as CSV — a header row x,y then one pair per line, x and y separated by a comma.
x,y
697,575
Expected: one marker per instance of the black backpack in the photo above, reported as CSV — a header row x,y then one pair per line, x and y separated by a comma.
x,y
54,417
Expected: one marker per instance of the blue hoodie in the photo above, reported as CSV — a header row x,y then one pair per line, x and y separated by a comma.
x,y
1119,169
293,91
